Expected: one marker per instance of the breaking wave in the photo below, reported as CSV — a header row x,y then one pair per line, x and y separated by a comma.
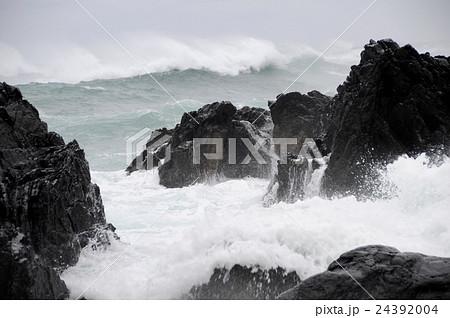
x,y
70,63
226,224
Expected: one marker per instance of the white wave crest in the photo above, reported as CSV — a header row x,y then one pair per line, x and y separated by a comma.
x,y
72,63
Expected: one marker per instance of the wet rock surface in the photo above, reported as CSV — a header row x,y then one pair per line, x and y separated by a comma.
x,y
49,209
243,282
384,273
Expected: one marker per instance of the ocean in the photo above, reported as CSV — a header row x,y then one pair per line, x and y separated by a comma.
x,y
203,226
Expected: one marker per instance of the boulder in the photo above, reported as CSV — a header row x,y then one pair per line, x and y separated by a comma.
x,y
384,273
217,120
49,209
242,282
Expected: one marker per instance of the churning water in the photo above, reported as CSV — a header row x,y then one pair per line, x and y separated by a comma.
x,y
206,226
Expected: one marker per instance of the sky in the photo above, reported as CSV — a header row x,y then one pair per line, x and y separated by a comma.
x,y
55,40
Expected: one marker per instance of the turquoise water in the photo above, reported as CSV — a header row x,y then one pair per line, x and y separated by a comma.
x,y
101,114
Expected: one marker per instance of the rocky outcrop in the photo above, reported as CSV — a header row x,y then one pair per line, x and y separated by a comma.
x,y
242,282
384,272
396,101
237,129
49,209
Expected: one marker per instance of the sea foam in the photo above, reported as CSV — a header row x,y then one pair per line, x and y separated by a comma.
x,y
206,226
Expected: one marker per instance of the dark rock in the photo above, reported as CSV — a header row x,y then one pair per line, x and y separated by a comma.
x,y
49,209
23,274
243,282
384,272
396,101
217,120
300,116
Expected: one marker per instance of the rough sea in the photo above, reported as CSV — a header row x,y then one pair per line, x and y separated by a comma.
x,y
208,226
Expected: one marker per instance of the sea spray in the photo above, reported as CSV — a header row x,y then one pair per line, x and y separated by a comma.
x,y
206,227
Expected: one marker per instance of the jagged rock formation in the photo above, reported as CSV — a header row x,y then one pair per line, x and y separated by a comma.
x,y
242,282
217,120
396,101
384,272
49,209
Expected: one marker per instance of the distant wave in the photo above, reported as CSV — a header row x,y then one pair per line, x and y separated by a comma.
x,y
69,63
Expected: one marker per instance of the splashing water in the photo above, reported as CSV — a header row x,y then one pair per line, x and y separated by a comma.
x,y
226,224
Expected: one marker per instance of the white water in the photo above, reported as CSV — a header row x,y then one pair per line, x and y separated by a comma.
x,y
312,189
70,63
224,224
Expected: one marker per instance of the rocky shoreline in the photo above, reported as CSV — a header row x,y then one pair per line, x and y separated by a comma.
x,y
396,101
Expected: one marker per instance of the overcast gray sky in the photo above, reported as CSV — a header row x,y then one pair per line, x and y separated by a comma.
x,y
54,40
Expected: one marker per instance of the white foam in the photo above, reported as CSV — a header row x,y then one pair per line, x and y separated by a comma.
x,y
224,224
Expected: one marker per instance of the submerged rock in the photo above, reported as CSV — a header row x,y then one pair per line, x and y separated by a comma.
x,y
396,101
49,209
384,272
234,128
242,282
